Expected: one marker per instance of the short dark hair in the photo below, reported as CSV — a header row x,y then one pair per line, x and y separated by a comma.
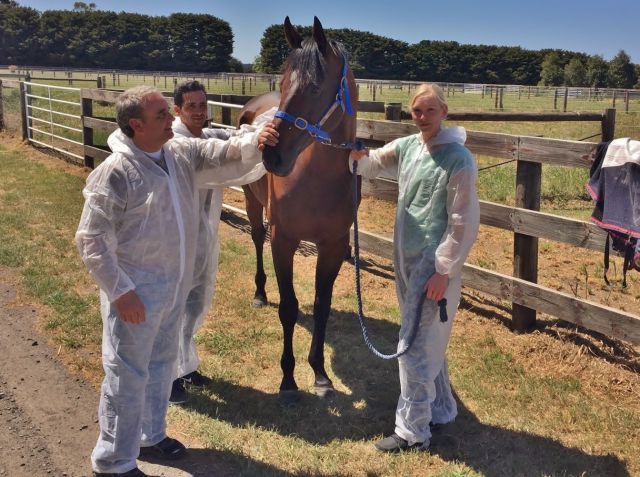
x,y
186,87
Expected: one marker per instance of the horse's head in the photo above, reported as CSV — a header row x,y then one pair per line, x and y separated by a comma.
x,y
317,90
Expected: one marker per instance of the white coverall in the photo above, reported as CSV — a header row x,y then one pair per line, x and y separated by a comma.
x,y
437,221
138,231
208,247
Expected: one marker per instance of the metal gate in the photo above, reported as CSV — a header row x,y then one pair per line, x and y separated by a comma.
x,y
53,118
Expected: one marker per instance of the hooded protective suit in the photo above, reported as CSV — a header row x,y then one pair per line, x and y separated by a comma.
x,y
437,220
208,247
138,231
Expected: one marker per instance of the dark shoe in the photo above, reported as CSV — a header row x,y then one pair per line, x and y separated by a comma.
x,y
196,379
178,392
395,443
166,449
132,473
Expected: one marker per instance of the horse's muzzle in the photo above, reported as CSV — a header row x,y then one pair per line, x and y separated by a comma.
x,y
275,163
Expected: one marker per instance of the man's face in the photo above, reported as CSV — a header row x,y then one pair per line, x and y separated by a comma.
x,y
193,111
154,128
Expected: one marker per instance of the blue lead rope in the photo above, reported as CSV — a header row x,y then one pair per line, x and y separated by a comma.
x,y
442,304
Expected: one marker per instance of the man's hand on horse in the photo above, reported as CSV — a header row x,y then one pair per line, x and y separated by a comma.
x,y
130,308
268,136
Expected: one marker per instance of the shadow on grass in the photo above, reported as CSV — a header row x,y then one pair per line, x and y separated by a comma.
x,y
209,463
364,410
495,451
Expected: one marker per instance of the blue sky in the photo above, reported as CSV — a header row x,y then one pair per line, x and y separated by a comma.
x,y
585,26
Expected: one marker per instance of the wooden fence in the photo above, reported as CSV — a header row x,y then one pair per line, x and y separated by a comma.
x,y
525,220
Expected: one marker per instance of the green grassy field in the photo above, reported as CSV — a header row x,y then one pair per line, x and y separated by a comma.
x,y
521,396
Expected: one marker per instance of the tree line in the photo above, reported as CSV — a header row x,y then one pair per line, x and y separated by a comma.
x,y
377,57
89,38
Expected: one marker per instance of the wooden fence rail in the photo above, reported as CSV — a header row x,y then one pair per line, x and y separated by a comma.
x,y
525,220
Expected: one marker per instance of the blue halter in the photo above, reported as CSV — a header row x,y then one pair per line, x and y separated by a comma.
x,y
343,100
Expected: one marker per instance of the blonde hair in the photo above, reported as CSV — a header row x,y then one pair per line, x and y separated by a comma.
x,y
130,105
428,89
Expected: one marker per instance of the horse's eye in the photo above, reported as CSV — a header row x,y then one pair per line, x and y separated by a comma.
x,y
314,90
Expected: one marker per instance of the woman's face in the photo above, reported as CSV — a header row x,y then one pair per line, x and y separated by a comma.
x,y
428,113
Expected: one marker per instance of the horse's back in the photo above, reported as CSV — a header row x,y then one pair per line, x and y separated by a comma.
x,y
256,192
258,105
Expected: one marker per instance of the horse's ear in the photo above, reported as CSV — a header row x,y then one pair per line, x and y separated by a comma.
x,y
318,35
291,34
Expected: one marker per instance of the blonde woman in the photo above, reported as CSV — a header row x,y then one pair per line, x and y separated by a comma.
x,y
436,224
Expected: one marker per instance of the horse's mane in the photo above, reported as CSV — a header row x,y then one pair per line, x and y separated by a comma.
x,y
308,62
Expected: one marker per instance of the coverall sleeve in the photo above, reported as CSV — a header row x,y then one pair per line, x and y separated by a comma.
x,y
220,163
384,159
463,210
219,133
105,201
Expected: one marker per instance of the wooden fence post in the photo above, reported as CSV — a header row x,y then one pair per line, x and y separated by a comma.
x,y
226,112
609,124
23,110
525,247
99,82
613,100
1,108
555,98
566,97
86,111
392,111
497,101
626,101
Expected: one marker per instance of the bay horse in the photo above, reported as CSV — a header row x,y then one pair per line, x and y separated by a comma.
x,y
308,189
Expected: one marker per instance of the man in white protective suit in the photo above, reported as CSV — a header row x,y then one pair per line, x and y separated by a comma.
x,y
190,107
138,238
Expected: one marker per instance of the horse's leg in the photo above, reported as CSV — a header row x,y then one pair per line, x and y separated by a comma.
x,y
258,233
282,250
330,257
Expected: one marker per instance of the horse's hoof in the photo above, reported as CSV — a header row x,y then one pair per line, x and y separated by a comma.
x,y
289,397
259,302
325,392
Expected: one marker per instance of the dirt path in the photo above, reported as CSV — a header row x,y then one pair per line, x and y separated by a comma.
x,y
48,419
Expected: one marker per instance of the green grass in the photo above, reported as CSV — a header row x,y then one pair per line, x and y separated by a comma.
x,y
510,413
39,210
507,410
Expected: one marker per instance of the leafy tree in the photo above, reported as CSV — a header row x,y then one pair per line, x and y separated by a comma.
x,y
274,49
637,68
257,65
84,7
552,72
200,42
17,39
597,71
575,73
621,72
235,66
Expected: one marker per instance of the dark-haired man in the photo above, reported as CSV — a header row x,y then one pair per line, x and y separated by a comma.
x,y
190,107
